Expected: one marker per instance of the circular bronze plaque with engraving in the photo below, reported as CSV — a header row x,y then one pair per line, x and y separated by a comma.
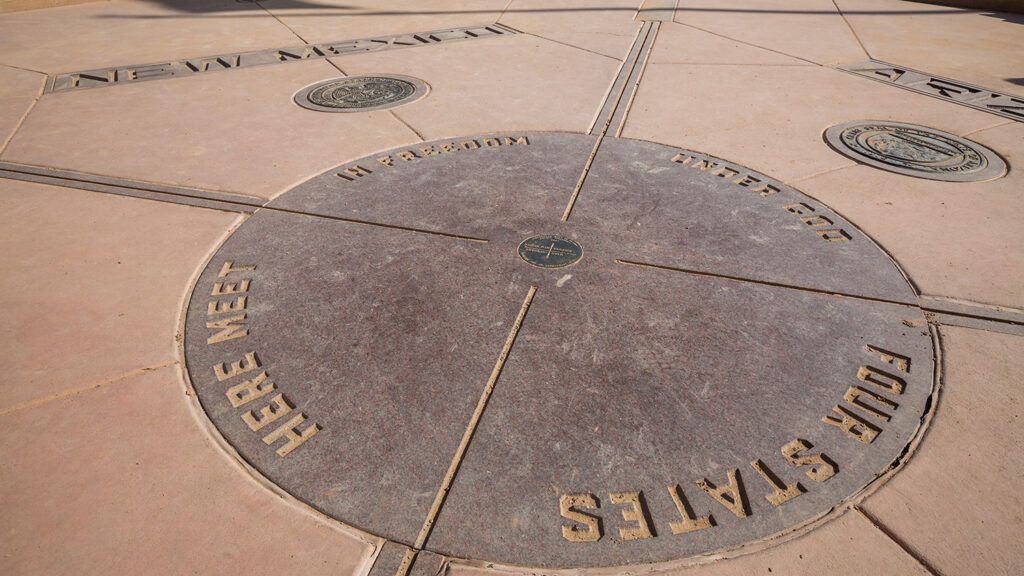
x,y
915,151
550,251
361,93
731,362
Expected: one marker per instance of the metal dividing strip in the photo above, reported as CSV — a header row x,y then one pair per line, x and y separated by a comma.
x,y
657,10
633,83
189,67
611,102
946,89
133,188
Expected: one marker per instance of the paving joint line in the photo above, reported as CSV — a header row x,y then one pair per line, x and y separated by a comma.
x,y
76,391
467,437
852,30
567,45
764,283
752,45
906,548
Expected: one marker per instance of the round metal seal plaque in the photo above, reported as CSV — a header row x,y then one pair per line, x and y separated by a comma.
x,y
915,150
731,362
361,93
550,251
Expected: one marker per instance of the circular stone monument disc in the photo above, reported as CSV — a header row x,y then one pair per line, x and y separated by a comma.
x,y
915,151
730,361
361,93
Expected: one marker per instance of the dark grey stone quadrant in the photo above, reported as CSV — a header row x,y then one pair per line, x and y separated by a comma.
x,y
717,320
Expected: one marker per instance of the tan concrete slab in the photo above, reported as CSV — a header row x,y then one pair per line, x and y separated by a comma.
x,y
958,500
331,20
679,44
122,480
234,131
604,26
597,16
772,118
976,47
129,32
91,284
515,83
958,240
847,546
810,29
18,90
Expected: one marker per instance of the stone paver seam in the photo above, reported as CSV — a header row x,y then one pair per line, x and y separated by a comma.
x,y
760,282
852,30
979,130
467,436
566,44
24,116
745,43
793,181
76,391
906,548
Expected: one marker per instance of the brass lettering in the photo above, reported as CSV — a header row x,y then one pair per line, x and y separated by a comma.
x,y
834,235
902,363
688,522
230,268
249,390
798,208
386,160
852,424
223,307
492,142
731,496
683,159
822,467
882,379
247,364
222,288
469,144
781,492
228,329
587,527
854,395
634,512
277,408
513,140
294,436
408,155
816,221
354,172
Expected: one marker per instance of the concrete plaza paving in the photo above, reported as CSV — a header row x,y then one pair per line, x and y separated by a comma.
x,y
117,192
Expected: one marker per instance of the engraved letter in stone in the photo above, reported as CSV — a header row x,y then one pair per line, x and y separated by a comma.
x,y
852,424
351,174
822,467
278,407
291,431
249,390
222,288
731,496
634,512
230,268
781,492
882,379
688,523
228,329
587,527
902,363
247,364
216,307
855,394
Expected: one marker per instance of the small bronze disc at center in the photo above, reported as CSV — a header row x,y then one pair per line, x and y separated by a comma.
x,y
550,251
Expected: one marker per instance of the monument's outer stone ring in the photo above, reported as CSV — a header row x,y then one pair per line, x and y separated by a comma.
x,y
730,361
914,150
361,93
